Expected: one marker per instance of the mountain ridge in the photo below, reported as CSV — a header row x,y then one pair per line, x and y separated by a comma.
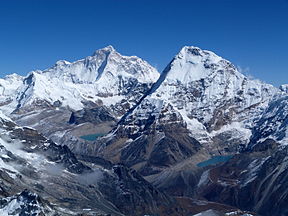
x,y
106,74
161,125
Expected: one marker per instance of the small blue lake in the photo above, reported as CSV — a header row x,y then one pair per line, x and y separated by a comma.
x,y
92,137
215,160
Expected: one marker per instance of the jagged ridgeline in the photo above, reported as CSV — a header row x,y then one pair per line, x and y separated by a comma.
x,y
110,135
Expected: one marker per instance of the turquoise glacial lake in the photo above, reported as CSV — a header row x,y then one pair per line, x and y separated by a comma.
x,y
215,160
92,137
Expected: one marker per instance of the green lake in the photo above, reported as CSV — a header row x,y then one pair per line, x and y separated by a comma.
x,y
92,137
215,160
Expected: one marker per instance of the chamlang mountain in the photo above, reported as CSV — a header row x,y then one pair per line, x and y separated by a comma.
x,y
110,135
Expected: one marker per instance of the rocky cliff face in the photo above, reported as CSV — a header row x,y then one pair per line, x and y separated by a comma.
x,y
39,177
25,203
198,90
200,106
151,144
30,161
284,88
208,88
47,100
273,124
255,179
251,181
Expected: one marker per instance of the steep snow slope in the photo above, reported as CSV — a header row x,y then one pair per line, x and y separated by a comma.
x,y
9,84
24,203
201,93
201,106
206,87
209,93
272,127
47,100
8,90
255,179
106,78
284,88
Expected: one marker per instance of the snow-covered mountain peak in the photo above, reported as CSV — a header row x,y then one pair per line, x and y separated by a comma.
x,y
196,51
62,63
209,93
201,93
105,64
106,75
107,49
284,88
9,86
193,63
13,77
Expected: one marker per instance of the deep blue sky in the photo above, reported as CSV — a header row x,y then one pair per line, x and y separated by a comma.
x,y
253,34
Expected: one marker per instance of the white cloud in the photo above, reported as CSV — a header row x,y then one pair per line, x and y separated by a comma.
x,y
245,71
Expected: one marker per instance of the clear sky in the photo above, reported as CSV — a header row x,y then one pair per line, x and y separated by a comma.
x,y
252,34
